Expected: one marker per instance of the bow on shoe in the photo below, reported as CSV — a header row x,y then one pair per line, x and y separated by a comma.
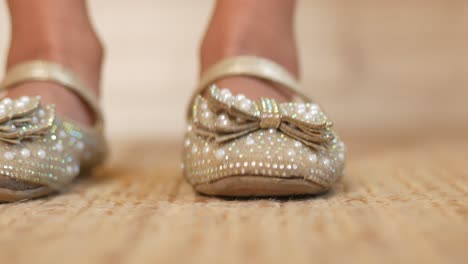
x,y
24,118
224,117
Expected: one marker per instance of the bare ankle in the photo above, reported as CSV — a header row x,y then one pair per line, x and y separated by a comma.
x,y
58,31
83,56
262,28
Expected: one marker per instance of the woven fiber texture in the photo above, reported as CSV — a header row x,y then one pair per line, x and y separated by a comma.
x,y
403,200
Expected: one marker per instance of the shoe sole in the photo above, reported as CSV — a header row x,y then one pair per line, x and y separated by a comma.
x,y
260,186
8,195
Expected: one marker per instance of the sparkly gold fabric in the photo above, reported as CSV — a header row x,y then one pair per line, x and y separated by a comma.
x,y
41,148
242,116
38,147
233,141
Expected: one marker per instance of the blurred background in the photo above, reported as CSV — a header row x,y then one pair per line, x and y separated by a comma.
x,y
373,65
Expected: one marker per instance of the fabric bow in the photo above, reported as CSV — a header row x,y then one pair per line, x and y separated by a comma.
x,y
224,117
24,118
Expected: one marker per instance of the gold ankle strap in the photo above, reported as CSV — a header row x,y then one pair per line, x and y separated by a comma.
x,y
47,71
249,66
254,67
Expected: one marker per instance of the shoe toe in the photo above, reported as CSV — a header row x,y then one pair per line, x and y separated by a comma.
x,y
265,162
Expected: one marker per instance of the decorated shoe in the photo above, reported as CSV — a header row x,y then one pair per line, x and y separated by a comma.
x,y
41,152
236,146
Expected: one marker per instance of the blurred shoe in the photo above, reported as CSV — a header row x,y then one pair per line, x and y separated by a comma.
x,y
41,152
235,146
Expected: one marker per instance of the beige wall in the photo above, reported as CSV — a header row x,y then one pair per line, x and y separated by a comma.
x,y
372,64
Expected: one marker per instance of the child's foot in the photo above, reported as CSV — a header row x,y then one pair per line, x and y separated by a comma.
x,y
59,32
251,28
45,39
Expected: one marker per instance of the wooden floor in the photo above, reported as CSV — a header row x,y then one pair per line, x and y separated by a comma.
x,y
404,200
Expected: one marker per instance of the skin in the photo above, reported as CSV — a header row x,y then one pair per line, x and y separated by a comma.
x,y
41,30
263,28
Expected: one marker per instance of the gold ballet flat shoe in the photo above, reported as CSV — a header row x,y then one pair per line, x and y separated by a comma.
x,y
41,152
235,146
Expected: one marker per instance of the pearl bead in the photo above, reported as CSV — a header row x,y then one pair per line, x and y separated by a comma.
x,y
314,112
300,107
342,145
41,153
41,113
19,104
194,149
245,105
300,110
250,141
326,162
226,94
291,152
59,147
240,97
7,101
220,153
70,170
25,99
26,153
308,116
223,123
206,149
313,157
223,117
314,108
9,155
207,115
223,120
341,156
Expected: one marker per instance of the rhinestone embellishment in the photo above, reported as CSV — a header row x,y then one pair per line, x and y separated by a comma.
x,y
231,135
38,147
224,117
24,119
